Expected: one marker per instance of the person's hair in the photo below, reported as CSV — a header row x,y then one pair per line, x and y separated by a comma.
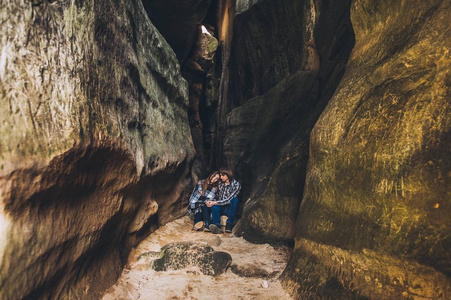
x,y
207,181
227,172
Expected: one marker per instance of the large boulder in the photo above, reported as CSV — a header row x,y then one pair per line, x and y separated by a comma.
x,y
95,148
182,255
374,220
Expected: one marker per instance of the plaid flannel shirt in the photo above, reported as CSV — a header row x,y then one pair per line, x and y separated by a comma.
x,y
196,201
228,192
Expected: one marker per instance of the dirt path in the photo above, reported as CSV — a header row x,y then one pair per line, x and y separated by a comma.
x,y
139,281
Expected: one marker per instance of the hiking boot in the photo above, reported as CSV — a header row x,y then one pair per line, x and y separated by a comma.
x,y
228,228
224,220
215,228
198,226
207,228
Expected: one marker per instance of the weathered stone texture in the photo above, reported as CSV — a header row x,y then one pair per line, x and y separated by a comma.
x,y
378,181
243,5
268,45
203,99
182,255
294,54
180,22
95,148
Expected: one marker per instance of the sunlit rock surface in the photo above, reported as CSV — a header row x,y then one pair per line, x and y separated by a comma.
x,y
287,58
375,216
95,146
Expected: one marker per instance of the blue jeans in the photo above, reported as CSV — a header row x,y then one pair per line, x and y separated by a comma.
x,y
204,215
206,211
198,217
229,210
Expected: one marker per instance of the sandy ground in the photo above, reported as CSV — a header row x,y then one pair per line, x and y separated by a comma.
x,y
139,281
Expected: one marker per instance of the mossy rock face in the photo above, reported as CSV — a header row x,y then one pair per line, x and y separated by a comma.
x,y
95,149
182,255
379,169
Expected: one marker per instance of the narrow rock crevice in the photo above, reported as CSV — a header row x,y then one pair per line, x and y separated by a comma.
x,y
333,115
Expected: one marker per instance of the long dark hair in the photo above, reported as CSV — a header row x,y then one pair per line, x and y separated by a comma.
x,y
227,172
207,182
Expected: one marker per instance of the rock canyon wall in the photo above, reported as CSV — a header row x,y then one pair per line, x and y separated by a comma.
x,y
287,58
335,116
375,215
373,219
96,148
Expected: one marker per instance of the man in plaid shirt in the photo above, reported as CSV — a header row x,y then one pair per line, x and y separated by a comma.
x,y
227,202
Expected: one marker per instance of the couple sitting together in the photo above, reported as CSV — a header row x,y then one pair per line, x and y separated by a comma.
x,y
213,197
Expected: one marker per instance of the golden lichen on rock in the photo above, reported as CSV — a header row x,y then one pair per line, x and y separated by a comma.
x,y
378,156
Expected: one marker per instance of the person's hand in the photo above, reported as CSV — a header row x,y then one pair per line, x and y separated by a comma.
x,y
210,203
